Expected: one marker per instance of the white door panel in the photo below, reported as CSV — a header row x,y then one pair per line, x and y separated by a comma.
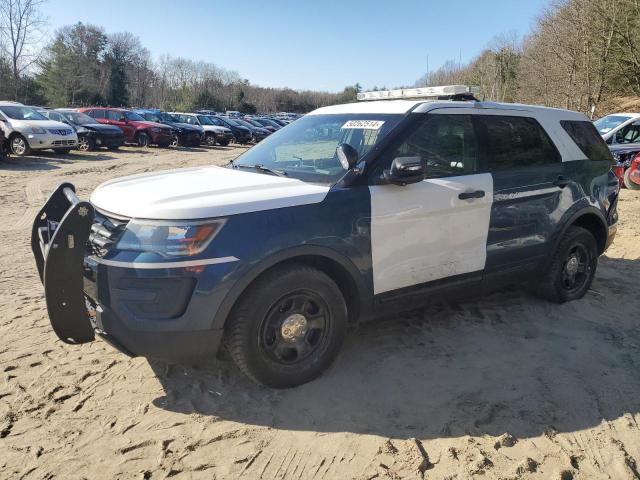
x,y
423,231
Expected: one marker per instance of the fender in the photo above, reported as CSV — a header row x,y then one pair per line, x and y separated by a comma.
x,y
364,292
573,217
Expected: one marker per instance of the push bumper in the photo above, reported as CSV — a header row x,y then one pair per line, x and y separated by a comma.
x,y
132,318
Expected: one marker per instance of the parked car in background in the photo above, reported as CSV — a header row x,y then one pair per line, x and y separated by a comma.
x,y
3,145
213,133
257,124
241,133
619,128
27,129
267,122
185,134
136,129
91,134
257,133
627,158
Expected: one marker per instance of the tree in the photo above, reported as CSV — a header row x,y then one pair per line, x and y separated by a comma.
x,y
20,24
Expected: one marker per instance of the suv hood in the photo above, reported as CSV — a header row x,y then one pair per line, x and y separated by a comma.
x,y
17,124
205,192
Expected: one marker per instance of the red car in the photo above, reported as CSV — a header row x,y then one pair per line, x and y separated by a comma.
x,y
136,129
631,176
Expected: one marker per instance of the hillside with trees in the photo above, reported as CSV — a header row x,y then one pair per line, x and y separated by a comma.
x,y
581,54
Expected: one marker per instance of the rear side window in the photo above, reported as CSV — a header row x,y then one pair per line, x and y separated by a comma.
x,y
585,135
513,142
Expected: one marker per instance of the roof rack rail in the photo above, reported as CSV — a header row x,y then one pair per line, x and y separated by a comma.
x,y
446,92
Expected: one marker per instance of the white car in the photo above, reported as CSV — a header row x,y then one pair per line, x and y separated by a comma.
x,y
212,133
619,128
27,130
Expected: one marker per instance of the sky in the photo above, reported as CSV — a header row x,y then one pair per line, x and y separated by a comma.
x,y
314,44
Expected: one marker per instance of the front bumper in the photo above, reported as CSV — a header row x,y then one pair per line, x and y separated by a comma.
x,y
109,140
161,138
48,140
157,313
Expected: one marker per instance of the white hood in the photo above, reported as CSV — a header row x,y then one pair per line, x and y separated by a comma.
x,y
206,192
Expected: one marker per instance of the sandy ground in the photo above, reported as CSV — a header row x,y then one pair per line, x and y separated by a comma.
x,y
507,386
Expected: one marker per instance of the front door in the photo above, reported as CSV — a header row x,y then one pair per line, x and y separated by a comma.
x,y
436,228
116,118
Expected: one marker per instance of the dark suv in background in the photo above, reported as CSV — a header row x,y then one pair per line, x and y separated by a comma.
x,y
136,129
184,134
91,133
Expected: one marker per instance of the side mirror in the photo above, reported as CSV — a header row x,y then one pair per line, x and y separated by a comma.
x,y
405,170
347,155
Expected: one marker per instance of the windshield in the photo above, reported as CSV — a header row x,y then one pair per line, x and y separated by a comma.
x,y
244,123
133,116
152,117
608,123
254,123
231,122
216,121
22,113
306,149
165,117
205,120
78,118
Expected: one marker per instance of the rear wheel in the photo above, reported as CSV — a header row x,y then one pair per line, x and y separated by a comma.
x,y
143,140
19,146
572,268
630,184
287,327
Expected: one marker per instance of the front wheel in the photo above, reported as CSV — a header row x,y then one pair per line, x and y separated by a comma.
x,y
628,182
572,268
19,146
86,144
175,141
210,140
287,327
143,139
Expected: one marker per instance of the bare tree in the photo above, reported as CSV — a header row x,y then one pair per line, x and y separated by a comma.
x,y
20,30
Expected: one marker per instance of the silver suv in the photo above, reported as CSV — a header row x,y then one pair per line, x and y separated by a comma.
x,y
27,130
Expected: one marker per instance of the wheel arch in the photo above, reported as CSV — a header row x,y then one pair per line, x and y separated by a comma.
x,y
340,269
590,219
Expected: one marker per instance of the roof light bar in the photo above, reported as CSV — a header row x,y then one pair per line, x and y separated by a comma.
x,y
422,92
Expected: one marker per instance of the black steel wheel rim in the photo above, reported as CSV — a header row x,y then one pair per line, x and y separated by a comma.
x,y
576,268
295,327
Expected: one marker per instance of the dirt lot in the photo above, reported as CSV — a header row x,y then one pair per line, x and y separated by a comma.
x,y
507,386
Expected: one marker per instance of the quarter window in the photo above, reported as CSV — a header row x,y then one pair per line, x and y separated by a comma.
x,y
512,142
585,135
445,143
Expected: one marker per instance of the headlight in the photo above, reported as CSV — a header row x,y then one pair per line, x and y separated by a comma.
x,y
38,130
172,239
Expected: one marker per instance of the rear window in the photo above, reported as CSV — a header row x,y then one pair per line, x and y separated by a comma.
x,y
585,135
513,142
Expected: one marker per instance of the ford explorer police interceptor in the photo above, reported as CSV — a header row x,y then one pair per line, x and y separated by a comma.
x,y
351,212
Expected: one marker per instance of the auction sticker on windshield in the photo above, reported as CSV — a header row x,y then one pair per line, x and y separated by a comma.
x,y
364,124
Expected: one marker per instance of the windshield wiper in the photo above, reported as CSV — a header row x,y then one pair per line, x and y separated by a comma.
x,y
261,168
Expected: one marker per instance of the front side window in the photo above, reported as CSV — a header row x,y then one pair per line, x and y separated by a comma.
x,y
307,148
513,142
133,116
78,118
585,135
629,134
445,143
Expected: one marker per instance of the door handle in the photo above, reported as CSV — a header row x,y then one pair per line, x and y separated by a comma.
x,y
561,182
471,195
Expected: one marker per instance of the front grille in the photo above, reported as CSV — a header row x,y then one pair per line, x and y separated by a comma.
x,y
61,131
105,233
69,143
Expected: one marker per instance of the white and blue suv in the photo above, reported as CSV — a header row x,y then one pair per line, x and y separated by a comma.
x,y
349,213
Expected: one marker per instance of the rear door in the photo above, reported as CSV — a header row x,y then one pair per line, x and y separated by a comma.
x,y
530,192
436,228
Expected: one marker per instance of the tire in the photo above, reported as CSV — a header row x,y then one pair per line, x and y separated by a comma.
x,y
630,184
572,268
210,139
270,333
19,146
62,151
86,144
175,141
143,140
